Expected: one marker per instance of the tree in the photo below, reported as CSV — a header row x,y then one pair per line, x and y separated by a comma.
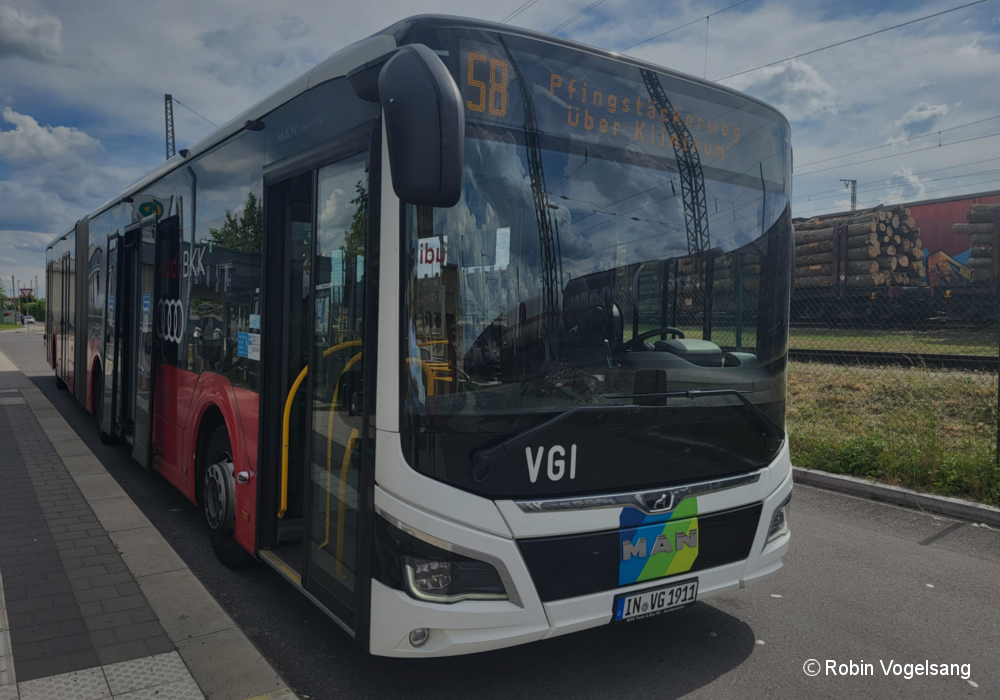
x,y
245,232
355,240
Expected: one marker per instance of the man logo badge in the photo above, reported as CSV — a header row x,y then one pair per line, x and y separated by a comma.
x,y
662,544
656,502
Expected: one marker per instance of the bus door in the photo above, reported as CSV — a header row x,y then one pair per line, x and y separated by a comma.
x,y
317,230
135,336
65,311
109,400
159,321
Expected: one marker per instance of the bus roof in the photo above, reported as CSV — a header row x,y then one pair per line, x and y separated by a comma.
x,y
356,54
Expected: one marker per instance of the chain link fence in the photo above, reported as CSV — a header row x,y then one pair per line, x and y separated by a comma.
x,y
894,349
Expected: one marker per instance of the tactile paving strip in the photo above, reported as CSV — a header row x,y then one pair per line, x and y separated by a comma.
x,y
88,684
146,672
8,692
11,401
181,690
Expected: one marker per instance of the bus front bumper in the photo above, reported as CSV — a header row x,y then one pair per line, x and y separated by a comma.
x,y
474,626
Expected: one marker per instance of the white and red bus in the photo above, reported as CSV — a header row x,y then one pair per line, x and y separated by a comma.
x,y
476,335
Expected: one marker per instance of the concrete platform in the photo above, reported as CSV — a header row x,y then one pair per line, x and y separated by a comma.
x,y
94,603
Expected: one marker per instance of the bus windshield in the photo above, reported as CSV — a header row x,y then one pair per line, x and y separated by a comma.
x,y
623,235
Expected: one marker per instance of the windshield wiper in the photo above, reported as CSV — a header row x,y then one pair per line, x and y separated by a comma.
x,y
771,428
483,461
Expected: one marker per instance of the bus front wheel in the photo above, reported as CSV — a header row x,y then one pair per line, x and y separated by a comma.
x,y
219,501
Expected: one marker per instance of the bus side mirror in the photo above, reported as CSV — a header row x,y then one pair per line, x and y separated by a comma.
x,y
424,125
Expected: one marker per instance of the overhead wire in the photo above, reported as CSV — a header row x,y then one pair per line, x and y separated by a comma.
x,y
874,202
896,155
193,112
518,11
887,185
899,184
657,36
894,143
812,211
923,172
577,16
848,41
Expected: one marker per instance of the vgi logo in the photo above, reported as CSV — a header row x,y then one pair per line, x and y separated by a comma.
x,y
556,464
151,208
170,328
662,544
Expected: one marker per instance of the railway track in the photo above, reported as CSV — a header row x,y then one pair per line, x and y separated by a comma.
x,y
979,363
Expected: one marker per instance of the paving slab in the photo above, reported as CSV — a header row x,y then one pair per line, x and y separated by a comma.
x,y
234,674
94,603
146,553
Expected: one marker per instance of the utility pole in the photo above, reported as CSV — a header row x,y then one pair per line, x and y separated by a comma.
x,y
168,110
853,184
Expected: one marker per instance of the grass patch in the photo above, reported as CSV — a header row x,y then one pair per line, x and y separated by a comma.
x,y
9,326
930,430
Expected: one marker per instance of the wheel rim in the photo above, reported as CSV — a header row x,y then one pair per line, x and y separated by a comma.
x,y
220,507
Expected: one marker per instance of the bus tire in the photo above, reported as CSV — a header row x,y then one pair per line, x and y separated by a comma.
x,y
60,384
219,501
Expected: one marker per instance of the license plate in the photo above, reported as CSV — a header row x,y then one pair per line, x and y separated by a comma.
x,y
655,601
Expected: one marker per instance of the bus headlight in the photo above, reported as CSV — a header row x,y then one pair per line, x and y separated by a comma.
x,y
431,570
452,580
779,522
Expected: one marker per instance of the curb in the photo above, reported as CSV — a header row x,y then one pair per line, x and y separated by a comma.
x,y
863,488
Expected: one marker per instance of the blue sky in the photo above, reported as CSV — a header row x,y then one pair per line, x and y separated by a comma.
x,y
82,84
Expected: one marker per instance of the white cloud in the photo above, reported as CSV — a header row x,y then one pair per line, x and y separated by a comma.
x,y
58,174
35,37
32,143
794,87
920,117
24,256
905,185
971,50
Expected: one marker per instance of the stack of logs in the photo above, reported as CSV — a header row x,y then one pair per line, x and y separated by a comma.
x,y
883,249
980,233
692,274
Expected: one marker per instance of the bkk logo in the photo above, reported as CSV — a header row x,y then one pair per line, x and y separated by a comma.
x,y
170,328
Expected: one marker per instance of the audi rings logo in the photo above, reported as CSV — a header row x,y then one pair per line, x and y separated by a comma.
x,y
171,320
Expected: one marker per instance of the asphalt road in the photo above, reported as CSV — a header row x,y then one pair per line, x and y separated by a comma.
x,y
864,581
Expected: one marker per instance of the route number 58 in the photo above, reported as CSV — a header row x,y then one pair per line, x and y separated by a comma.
x,y
494,96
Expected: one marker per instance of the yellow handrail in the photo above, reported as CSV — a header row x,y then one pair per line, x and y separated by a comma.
x,y
329,455
287,419
427,371
339,346
285,438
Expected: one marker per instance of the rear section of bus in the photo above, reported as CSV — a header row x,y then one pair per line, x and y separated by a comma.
x,y
582,419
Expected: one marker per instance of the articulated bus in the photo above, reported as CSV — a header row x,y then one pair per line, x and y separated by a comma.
x,y
476,335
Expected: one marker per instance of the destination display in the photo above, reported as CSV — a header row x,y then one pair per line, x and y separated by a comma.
x,y
645,111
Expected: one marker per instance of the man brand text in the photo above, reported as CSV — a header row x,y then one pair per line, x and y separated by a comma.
x,y
556,465
662,544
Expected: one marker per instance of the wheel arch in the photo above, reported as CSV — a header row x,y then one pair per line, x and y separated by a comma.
x,y
210,420
95,367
